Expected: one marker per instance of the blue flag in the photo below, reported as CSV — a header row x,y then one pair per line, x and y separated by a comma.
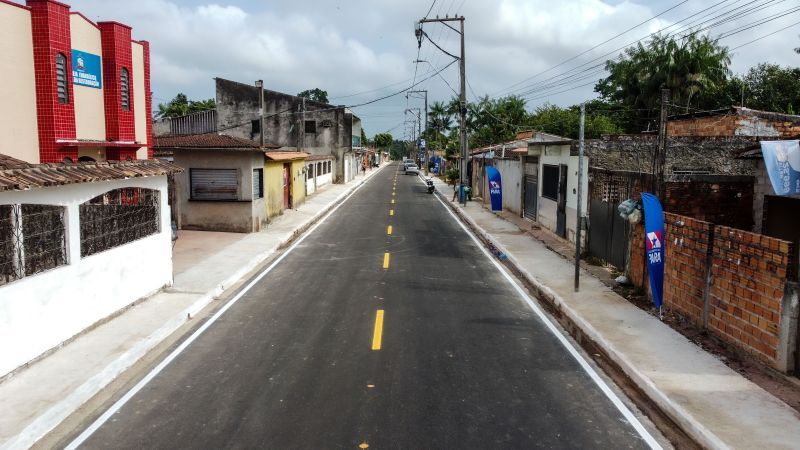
x,y
495,188
654,245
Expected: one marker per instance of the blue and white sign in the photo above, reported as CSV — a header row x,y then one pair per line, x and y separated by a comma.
x,y
782,159
86,69
654,245
495,188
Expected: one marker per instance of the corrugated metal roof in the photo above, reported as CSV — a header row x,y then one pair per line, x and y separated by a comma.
x,y
44,175
285,156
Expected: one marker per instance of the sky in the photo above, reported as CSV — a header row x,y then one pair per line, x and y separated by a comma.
x,y
367,47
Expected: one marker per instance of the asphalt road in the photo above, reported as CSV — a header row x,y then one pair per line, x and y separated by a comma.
x,y
303,360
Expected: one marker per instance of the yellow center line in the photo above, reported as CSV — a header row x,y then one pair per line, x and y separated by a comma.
x,y
386,260
393,201
378,333
389,230
391,212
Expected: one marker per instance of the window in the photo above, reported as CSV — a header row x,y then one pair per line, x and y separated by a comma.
x,y
329,167
118,217
214,184
311,126
310,171
255,126
550,182
124,85
33,240
62,89
258,183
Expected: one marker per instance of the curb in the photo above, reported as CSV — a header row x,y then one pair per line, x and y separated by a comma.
x,y
581,330
50,419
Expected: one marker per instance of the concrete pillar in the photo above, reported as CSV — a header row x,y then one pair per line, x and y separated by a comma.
x,y
788,345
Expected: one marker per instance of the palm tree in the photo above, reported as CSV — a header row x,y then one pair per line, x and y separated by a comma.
x,y
441,120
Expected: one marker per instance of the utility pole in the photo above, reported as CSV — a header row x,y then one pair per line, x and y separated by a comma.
x,y
427,158
579,227
260,86
303,125
659,161
462,95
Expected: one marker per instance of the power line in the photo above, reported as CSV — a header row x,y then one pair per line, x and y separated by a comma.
x,y
765,36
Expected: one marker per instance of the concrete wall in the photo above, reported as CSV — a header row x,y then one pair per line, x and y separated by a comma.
x,y
237,107
548,209
740,122
315,183
18,130
273,188
139,112
511,177
90,116
39,312
243,216
298,183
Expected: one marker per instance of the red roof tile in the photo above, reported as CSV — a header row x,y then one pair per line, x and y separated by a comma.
x,y
285,156
206,141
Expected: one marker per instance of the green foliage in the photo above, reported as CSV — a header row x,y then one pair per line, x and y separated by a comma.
x,y
383,140
768,87
692,68
452,175
181,106
566,121
398,150
315,95
364,140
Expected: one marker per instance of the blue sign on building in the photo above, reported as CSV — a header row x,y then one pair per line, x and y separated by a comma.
x,y
86,69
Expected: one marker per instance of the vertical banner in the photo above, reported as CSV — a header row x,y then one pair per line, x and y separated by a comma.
x,y
654,245
495,188
782,160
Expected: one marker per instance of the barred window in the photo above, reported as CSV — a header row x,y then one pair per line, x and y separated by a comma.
x,y
258,183
118,217
62,89
124,85
550,181
33,240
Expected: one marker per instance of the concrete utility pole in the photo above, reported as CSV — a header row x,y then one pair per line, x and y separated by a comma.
x,y
659,160
462,95
260,86
303,125
427,155
579,226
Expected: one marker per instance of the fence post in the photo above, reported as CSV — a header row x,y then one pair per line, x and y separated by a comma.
x,y
788,345
708,274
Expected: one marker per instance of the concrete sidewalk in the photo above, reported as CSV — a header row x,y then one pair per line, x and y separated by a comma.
x,y
713,404
38,398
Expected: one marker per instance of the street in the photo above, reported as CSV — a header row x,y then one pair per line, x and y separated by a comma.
x,y
386,327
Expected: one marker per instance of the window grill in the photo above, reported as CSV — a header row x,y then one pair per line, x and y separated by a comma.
x,y
311,126
124,84
118,217
62,89
258,183
33,240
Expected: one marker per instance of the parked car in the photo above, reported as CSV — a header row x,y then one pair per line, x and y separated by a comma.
x,y
412,169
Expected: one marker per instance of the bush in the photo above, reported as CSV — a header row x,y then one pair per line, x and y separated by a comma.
x,y
452,175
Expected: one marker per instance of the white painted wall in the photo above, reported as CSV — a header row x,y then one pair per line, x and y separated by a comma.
x,y
39,312
548,209
321,180
511,178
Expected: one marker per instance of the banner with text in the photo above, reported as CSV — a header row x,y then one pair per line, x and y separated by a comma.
x,y
782,160
654,245
495,188
86,70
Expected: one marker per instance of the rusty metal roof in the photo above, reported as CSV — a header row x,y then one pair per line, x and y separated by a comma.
x,y
285,156
206,141
45,175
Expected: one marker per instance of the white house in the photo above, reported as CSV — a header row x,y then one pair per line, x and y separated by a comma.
x,y
78,242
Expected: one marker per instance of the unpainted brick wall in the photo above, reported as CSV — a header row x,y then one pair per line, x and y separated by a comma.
x,y
703,126
748,274
723,202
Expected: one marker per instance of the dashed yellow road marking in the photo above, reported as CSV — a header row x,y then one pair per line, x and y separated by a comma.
x,y
386,260
393,201
391,212
389,230
378,333
363,445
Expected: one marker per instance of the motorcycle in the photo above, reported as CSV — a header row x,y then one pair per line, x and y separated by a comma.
x,y
429,182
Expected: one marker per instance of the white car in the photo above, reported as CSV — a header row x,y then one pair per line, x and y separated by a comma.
x,y
412,168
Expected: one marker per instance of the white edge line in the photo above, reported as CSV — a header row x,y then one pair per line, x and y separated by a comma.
x,y
91,429
626,412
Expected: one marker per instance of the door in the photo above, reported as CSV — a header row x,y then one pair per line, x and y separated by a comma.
x,y
780,221
561,214
608,233
287,186
531,187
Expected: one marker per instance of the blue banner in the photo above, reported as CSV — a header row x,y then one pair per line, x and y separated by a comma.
x,y
495,188
654,245
86,70
782,160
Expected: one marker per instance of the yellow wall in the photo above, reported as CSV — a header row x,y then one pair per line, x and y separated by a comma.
x,y
139,107
90,118
96,153
298,183
273,188
18,128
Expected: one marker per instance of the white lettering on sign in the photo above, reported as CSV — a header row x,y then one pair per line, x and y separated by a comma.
x,y
655,257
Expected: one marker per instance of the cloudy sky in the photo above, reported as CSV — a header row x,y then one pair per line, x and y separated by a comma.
x,y
367,47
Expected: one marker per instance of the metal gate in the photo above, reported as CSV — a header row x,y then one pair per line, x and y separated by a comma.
x,y
531,192
608,233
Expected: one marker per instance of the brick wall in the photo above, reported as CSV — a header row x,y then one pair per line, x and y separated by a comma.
x,y
721,200
703,126
745,290
749,272
738,122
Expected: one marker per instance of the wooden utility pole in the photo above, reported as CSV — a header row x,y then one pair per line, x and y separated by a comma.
x,y
579,226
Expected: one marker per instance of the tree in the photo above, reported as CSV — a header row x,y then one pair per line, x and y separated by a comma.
x,y
315,95
383,140
181,106
364,140
767,87
691,67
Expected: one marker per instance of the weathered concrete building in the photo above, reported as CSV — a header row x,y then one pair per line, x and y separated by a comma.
x,y
292,123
